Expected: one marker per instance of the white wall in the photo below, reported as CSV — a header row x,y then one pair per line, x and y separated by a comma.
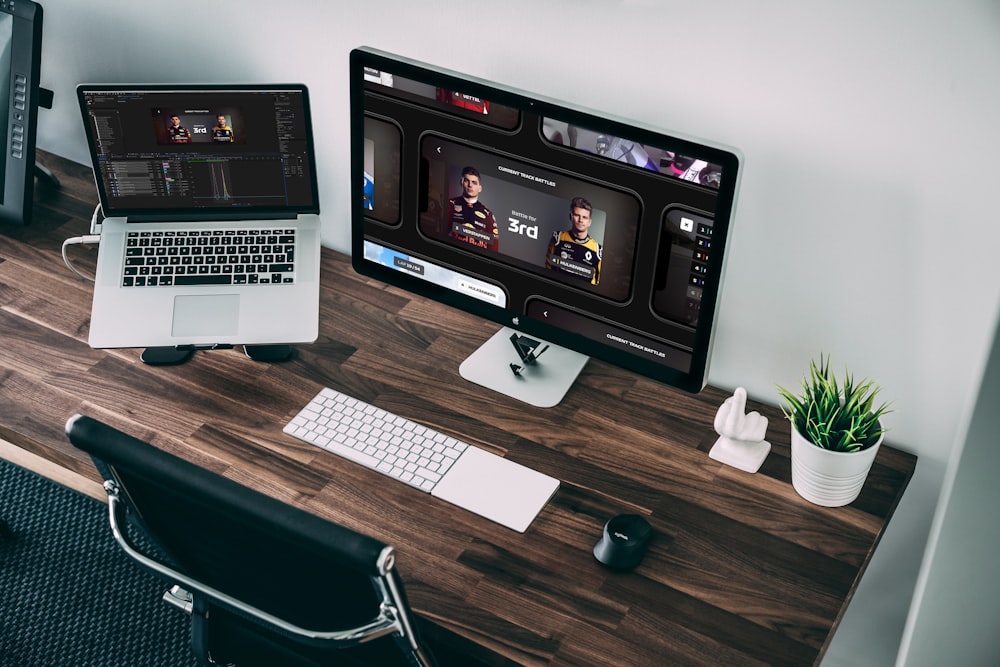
x,y
956,612
865,229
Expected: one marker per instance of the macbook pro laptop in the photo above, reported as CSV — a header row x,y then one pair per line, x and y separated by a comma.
x,y
211,233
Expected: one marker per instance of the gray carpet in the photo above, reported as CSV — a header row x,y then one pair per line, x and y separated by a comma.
x,y
68,596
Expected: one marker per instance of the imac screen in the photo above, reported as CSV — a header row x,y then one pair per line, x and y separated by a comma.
x,y
583,233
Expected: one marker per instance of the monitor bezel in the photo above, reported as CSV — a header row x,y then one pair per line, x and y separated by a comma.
x,y
729,158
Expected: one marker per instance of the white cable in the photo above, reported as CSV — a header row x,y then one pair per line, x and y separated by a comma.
x,y
78,240
95,226
89,239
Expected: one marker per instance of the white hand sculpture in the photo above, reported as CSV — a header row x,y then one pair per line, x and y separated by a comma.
x,y
730,422
741,441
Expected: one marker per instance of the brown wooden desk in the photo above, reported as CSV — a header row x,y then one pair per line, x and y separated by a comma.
x,y
741,570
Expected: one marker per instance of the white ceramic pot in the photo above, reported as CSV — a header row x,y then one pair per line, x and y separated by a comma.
x,y
826,477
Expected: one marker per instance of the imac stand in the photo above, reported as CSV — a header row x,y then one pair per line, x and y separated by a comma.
x,y
510,364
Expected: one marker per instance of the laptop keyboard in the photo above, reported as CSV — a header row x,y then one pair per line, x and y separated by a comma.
x,y
219,257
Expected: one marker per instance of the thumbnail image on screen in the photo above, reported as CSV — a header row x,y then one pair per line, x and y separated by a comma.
x,y
632,152
559,227
186,126
685,253
368,184
456,102
381,178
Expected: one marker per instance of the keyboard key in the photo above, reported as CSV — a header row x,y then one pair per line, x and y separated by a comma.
x,y
204,279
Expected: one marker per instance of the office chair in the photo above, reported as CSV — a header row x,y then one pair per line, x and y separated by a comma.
x,y
265,583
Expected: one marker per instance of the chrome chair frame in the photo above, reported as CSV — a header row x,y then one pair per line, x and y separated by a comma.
x,y
393,617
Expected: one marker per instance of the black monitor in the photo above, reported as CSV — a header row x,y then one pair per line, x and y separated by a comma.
x,y
20,97
584,234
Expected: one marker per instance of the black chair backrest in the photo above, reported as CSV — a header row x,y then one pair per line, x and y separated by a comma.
x,y
270,555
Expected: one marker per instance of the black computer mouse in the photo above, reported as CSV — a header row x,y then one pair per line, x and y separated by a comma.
x,y
624,541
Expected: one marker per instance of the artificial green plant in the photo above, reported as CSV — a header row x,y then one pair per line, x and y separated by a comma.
x,y
839,417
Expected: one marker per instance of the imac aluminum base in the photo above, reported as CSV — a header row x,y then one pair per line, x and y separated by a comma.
x,y
541,381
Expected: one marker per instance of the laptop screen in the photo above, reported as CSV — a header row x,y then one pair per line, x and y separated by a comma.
x,y
223,152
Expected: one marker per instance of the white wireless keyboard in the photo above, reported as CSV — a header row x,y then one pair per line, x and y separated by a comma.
x,y
436,463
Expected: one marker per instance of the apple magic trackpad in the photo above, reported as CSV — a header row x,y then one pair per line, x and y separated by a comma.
x,y
496,488
206,315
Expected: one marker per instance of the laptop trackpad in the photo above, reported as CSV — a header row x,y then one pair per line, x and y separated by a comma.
x,y
206,315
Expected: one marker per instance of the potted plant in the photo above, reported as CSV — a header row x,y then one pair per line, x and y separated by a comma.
x,y
836,433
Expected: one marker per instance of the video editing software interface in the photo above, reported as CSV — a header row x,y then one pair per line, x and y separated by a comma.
x,y
523,205
196,150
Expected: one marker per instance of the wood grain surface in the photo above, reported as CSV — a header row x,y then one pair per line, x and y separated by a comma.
x,y
741,570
